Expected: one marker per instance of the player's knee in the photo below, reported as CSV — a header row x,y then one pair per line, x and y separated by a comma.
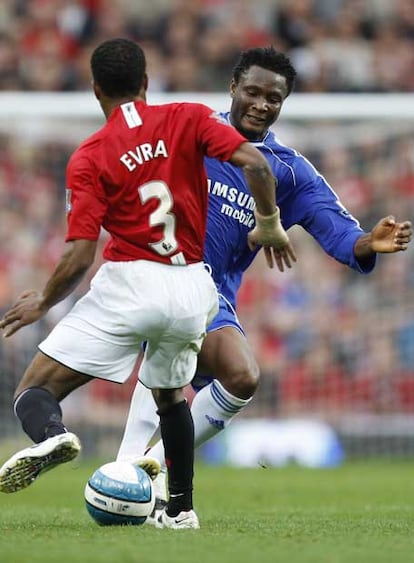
x,y
242,382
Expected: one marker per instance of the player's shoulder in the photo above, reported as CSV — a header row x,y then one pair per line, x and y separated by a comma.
x,y
288,158
194,111
87,149
181,108
95,139
281,150
286,153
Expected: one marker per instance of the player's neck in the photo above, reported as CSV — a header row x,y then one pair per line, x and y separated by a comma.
x,y
108,105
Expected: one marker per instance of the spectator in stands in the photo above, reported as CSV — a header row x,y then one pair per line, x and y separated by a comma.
x,y
319,36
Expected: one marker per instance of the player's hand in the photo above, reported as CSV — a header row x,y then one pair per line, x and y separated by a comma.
x,y
25,311
269,233
282,257
389,236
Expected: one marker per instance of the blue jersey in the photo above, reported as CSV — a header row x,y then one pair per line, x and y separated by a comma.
x,y
304,197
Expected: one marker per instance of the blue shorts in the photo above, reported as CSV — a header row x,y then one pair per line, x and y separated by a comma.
x,y
225,317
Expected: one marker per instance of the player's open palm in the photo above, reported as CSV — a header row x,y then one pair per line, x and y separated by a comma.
x,y
389,236
24,312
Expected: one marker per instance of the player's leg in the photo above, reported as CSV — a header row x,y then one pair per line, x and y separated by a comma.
x,y
226,355
142,424
78,345
141,431
169,365
176,427
227,377
177,434
173,359
36,404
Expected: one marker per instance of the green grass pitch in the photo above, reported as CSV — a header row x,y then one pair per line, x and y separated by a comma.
x,y
357,513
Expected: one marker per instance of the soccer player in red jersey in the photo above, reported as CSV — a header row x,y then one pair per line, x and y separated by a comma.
x,y
141,177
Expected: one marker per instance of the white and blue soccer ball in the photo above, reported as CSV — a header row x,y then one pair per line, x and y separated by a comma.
x,y
119,493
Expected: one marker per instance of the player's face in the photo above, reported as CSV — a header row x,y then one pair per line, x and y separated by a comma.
x,y
257,101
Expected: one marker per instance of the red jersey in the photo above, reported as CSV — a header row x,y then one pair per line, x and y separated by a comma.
x,y
142,178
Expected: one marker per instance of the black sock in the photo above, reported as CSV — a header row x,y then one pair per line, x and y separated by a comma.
x,y
40,414
177,432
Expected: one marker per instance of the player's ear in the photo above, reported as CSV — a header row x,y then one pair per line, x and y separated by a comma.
x,y
232,88
145,82
96,90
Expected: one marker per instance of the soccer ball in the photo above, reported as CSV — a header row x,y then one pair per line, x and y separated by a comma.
x,y
119,493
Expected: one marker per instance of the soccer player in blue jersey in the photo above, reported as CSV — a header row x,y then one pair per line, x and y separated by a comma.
x,y
228,374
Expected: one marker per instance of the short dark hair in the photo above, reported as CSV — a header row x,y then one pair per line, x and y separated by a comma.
x,y
118,67
268,58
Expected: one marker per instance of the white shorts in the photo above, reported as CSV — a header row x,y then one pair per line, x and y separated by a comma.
x,y
169,307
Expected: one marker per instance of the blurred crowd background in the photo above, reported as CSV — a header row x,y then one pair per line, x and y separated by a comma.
x,y
330,342
336,45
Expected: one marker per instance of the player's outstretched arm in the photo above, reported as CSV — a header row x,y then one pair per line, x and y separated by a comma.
x,y
33,305
386,237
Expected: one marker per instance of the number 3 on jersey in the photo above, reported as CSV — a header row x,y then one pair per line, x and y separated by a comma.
x,y
161,215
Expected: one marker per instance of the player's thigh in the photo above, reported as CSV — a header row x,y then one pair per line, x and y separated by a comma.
x,y
45,372
171,361
91,349
95,339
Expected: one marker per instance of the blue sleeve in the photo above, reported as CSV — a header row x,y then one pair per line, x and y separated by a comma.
x,y
327,220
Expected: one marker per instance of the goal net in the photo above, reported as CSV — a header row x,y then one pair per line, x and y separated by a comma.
x,y
333,345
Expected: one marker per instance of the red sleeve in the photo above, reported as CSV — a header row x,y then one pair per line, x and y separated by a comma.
x,y
218,138
86,201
